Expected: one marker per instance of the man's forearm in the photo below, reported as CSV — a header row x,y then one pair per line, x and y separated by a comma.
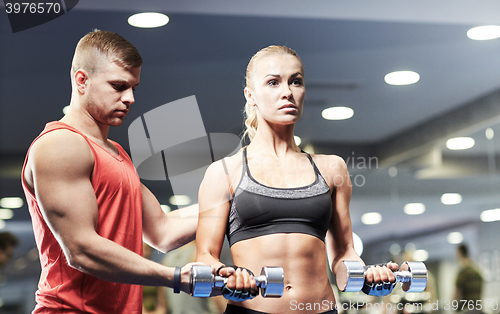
x,y
181,226
109,261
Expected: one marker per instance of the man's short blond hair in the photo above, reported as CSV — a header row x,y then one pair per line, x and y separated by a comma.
x,y
99,46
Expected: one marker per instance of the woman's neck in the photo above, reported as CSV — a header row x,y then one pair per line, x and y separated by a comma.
x,y
274,140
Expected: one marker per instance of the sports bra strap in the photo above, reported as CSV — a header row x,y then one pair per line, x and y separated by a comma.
x,y
231,191
312,162
245,162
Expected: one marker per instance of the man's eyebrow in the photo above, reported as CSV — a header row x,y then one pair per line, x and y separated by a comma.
x,y
125,82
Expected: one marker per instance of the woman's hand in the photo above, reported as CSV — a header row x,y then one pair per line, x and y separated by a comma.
x,y
380,280
381,274
240,285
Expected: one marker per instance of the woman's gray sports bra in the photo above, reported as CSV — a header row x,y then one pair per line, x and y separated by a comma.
x,y
257,210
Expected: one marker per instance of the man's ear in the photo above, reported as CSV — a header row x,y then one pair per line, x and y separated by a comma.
x,y
81,77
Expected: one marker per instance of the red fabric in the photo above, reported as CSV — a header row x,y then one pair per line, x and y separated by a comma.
x,y
63,289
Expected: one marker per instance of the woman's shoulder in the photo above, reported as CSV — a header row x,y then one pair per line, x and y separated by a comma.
x,y
333,169
221,178
236,158
329,163
226,166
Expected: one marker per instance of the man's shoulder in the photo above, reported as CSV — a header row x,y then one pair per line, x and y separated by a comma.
x,y
63,139
61,146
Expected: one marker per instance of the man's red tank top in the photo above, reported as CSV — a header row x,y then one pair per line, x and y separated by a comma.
x,y
63,289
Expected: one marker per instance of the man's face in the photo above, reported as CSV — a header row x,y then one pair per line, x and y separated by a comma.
x,y
111,92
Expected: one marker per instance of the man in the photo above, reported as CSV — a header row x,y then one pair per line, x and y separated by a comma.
x,y
469,282
7,243
89,210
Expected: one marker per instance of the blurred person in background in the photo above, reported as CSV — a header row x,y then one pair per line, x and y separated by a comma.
x,y
7,244
469,282
153,297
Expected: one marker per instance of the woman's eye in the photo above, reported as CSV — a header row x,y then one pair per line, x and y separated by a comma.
x,y
272,83
297,82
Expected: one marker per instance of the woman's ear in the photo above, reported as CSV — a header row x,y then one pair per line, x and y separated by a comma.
x,y
248,96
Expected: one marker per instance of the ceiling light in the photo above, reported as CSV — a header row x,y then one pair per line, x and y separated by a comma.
x,y
455,237
459,143
451,198
414,208
489,133
485,32
148,20
11,202
395,249
490,215
166,209
420,255
372,218
297,139
66,109
180,200
337,113
410,247
309,148
393,172
358,244
402,78
6,213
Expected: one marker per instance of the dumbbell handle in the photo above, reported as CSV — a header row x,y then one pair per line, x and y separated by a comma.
x,y
403,276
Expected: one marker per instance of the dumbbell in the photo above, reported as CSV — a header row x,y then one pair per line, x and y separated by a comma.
x,y
271,281
351,276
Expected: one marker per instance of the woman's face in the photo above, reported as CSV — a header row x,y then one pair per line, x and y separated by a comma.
x,y
277,89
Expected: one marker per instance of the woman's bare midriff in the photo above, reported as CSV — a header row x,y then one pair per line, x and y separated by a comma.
x,y
303,259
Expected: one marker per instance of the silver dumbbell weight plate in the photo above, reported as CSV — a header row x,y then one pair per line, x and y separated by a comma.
x,y
418,280
350,276
272,282
202,281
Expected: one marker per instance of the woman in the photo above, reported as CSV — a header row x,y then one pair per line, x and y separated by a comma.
x,y
278,205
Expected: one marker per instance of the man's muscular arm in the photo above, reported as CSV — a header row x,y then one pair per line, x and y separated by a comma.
x,y
167,232
61,165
